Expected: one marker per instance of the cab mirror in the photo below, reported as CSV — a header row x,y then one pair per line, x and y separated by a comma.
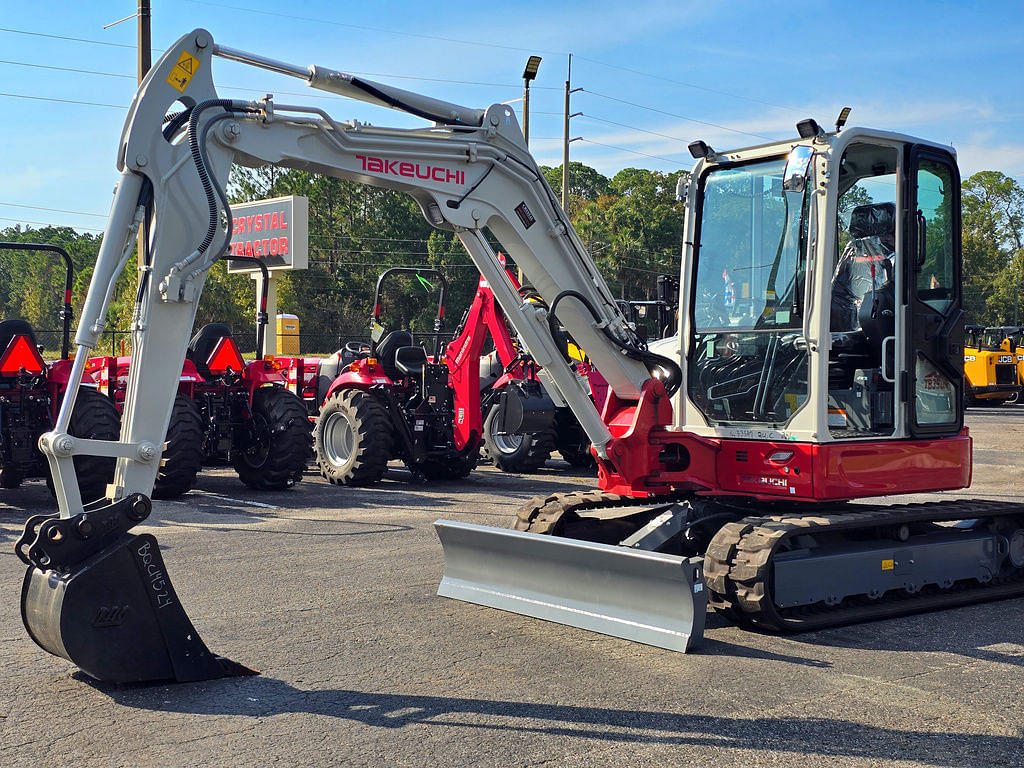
x,y
794,178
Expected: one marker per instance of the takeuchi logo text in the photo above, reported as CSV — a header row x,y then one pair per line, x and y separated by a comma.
x,y
412,170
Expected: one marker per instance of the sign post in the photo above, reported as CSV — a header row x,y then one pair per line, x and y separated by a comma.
x,y
276,231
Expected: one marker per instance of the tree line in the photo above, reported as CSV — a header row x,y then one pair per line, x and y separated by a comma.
x,y
630,222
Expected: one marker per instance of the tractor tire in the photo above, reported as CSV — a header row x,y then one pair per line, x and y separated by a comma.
x,y
183,457
522,454
571,442
95,418
11,478
279,459
353,438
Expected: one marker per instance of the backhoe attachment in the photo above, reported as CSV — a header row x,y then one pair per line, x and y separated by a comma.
x,y
100,597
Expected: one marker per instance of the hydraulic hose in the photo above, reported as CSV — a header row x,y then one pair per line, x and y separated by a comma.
x,y
637,350
202,166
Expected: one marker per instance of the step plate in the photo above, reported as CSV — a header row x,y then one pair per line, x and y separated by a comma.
x,y
642,596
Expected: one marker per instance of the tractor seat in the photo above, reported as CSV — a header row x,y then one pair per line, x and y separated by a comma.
x,y
203,344
11,328
411,361
388,349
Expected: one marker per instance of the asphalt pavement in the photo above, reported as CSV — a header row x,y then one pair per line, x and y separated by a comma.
x,y
330,593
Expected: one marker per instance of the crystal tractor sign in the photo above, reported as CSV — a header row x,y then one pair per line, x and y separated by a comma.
x,y
276,232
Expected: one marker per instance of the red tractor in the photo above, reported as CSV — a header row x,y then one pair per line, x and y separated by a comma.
x,y
226,412
30,395
498,396
391,401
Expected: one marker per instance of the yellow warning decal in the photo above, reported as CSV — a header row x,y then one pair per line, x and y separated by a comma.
x,y
183,71
888,565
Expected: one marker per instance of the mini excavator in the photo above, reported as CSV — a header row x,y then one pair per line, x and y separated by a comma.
x,y
818,363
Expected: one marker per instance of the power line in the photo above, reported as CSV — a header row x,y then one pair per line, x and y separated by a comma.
x,y
310,93
62,37
61,101
54,210
634,128
673,114
65,69
48,224
627,149
364,28
686,85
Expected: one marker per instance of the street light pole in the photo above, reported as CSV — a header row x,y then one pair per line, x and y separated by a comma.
x,y
529,74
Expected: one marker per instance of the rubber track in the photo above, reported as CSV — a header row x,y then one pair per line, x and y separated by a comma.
x,y
737,566
542,513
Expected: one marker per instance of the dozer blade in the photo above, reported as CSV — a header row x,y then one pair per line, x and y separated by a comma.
x,y
642,596
108,606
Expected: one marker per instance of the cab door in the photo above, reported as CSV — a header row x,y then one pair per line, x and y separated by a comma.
x,y
933,367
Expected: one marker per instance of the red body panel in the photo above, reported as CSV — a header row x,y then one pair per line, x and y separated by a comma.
x,y
647,459
107,370
360,375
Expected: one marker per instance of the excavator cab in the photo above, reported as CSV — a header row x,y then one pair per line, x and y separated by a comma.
x,y
808,302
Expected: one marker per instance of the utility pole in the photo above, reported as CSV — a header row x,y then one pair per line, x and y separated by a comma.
x,y
569,90
145,62
145,39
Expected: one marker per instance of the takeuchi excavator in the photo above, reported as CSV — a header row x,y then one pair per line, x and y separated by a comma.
x,y
818,362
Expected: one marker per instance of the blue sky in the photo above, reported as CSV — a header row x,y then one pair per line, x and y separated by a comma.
x,y
731,73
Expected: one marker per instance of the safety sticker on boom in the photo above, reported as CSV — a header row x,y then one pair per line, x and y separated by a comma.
x,y
183,71
525,215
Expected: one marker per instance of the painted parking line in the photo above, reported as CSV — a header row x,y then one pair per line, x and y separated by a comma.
x,y
242,502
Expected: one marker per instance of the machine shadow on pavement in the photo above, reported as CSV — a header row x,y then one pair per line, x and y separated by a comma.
x,y
261,697
965,631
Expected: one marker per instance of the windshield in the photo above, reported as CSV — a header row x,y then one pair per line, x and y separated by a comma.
x,y
748,362
750,267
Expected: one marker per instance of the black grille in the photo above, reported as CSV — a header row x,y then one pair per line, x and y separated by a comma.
x,y
741,455
1006,373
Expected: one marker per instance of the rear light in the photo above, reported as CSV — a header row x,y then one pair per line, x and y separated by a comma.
x,y
371,361
225,355
21,354
780,457
271,363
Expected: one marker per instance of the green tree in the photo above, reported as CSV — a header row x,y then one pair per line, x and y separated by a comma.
x,y
993,232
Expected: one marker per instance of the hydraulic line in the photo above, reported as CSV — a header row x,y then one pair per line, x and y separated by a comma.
x,y
673,373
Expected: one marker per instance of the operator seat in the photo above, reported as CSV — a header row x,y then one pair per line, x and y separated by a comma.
x,y
863,309
411,361
203,344
387,350
15,327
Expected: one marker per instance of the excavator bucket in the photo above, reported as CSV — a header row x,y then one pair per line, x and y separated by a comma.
x,y
113,612
647,597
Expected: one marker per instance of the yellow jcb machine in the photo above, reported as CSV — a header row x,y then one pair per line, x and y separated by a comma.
x,y
1012,343
991,374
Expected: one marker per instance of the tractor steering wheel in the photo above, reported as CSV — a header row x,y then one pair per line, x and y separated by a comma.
x,y
357,348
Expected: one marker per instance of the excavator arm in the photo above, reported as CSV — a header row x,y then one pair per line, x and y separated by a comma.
x,y
470,173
